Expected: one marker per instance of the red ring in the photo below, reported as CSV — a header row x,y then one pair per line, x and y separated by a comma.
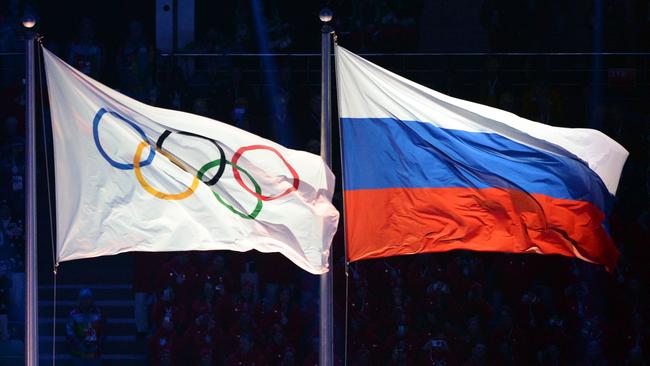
x,y
235,172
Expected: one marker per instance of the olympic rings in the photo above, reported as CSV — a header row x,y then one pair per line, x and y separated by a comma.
x,y
258,189
123,166
235,171
149,188
222,155
138,164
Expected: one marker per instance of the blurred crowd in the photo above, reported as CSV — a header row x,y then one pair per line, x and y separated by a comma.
x,y
495,309
12,165
220,308
460,308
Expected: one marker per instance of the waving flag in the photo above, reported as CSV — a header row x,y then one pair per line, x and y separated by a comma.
x,y
425,172
132,177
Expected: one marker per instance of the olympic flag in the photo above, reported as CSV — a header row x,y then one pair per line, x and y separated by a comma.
x,y
132,177
425,172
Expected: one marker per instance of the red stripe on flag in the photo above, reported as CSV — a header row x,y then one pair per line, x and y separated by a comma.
x,y
398,221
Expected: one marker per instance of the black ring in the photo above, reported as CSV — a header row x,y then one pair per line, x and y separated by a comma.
x,y
222,154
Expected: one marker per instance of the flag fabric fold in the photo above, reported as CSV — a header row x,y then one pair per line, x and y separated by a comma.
x,y
133,177
426,172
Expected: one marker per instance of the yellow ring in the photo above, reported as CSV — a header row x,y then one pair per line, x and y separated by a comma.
x,y
152,190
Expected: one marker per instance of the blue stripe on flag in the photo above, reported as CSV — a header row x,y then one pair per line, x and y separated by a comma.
x,y
390,153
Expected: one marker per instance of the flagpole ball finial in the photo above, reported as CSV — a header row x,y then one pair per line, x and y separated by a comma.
x,y
325,15
29,21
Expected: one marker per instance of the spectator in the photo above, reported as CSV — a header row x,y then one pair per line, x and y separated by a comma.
x,y
165,345
635,357
282,120
206,304
12,161
288,357
85,55
10,41
276,349
135,63
144,288
180,274
203,339
478,356
170,310
246,354
492,85
240,114
242,41
5,287
11,229
542,103
250,282
220,274
85,331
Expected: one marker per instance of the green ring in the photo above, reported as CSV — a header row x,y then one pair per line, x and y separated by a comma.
x,y
258,190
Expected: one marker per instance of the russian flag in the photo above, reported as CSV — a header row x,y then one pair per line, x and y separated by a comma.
x,y
425,172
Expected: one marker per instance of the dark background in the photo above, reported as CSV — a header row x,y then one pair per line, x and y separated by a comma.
x,y
568,63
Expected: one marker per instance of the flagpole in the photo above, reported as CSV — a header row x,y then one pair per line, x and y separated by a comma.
x,y
31,273
327,279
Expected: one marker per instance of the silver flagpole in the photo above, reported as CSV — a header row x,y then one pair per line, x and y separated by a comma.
x,y
326,280
31,273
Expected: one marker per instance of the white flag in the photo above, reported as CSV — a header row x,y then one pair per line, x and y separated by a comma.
x,y
132,177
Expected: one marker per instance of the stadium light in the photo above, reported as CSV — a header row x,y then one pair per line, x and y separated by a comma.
x,y
29,21
325,15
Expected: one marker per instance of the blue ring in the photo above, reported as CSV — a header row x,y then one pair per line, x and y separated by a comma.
x,y
123,166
